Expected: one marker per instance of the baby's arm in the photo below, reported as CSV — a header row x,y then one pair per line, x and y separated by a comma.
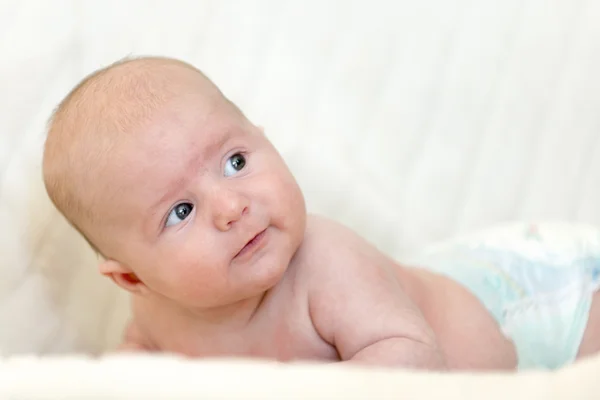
x,y
363,311
358,305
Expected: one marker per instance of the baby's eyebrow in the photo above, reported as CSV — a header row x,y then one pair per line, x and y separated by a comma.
x,y
216,144
193,166
175,188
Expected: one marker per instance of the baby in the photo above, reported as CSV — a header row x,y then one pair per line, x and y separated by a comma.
x,y
195,213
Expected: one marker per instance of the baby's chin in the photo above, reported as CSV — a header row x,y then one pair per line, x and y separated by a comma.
x,y
267,267
267,280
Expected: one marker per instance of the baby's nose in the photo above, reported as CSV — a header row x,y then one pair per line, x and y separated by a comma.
x,y
229,207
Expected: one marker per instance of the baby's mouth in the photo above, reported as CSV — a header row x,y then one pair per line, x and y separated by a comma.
x,y
252,245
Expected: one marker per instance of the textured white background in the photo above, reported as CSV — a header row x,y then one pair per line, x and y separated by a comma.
x,y
410,121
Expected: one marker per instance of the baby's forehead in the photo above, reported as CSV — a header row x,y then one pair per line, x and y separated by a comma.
x,y
140,107
179,131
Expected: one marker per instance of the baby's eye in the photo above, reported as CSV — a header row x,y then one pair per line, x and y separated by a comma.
x,y
179,213
234,164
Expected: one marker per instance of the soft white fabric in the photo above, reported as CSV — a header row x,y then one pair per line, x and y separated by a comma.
x,y
164,377
411,121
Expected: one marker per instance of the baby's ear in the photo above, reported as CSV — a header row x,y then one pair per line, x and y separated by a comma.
x,y
122,276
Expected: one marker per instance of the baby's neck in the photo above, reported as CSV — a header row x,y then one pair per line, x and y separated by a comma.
x,y
150,311
235,314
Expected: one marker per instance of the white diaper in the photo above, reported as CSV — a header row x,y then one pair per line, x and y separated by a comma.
x,y
540,297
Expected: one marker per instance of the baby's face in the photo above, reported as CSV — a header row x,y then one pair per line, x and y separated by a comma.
x,y
201,206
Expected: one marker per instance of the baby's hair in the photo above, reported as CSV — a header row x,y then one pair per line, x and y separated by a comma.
x,y
83,128
59,194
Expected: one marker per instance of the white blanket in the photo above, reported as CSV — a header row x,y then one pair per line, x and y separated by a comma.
x,y
410,121
164,377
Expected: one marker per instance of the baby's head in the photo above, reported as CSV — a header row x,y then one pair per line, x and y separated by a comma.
x,y
169,182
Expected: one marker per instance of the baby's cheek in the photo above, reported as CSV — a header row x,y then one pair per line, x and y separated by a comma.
x,y
205,274
292,199
178,271
283,188
186,283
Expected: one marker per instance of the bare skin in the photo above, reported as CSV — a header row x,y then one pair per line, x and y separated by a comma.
x,y
341,299
205,226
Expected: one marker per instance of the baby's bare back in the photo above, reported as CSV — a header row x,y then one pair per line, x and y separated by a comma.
x,y
342,300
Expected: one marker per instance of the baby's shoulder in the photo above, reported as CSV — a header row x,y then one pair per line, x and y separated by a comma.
x,y
324,235
328,244
327,230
